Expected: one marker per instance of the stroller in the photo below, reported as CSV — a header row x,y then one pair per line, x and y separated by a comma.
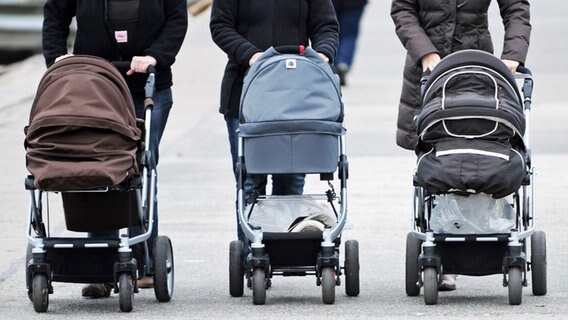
x,y
474,184
291,122
84,142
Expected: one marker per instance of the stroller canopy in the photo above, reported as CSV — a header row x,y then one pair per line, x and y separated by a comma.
x,y
471,84
283,87
82,130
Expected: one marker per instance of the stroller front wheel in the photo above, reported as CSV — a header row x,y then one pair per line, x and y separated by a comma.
x,y
258,286
40,292
515,285
125,292
328,285
430,285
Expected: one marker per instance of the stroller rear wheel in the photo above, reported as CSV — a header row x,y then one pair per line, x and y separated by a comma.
x,y
328,285
236,270
258,286
28,275
352,268
40,292
163,269
412,276
538,263
430,285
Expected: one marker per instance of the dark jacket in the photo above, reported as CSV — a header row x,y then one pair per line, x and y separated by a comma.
x,y
243,27
446,26
160,32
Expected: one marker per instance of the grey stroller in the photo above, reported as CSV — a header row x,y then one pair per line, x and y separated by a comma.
x,y
473,208
291,122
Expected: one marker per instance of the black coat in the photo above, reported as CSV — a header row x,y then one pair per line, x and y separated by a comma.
x,y
160,32
243,27
446,26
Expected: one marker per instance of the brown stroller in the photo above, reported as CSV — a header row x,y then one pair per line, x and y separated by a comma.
x,y
84,142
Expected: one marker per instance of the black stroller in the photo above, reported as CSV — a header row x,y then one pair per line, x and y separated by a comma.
x,y
84,142
473,187
291,122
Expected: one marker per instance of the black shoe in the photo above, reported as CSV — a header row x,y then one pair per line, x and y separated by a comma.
x,y
96,290
342,70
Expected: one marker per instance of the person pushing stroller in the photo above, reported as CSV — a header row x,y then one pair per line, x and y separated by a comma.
x,y
147,34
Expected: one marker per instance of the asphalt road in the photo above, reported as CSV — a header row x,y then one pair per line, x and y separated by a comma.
x,y
196,192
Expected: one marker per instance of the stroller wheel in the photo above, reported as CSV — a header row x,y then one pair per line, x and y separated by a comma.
x,y
125,292
236,270
538,263
352,268
163,269
430,285
515,284
412,276
328,285
258,286
40,292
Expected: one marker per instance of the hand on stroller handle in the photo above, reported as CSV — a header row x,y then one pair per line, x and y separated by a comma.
x,y
126,65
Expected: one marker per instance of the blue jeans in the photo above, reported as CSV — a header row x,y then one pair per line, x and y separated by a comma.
x,y
349,20
162,106
282,184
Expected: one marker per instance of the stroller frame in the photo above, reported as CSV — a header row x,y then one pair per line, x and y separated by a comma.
x,y
426,251
125,268
327,269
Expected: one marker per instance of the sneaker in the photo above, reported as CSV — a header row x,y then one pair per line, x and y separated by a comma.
x,y
146,283
447,282
96,290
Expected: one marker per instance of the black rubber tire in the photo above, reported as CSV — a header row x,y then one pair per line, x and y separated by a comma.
x,y
28,275
328,285
125,292
538,263
515,285
236,268
258,286
430,285
163,256
352,285
412,272
40,292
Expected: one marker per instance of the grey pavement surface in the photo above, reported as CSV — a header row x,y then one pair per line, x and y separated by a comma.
x,y
196,192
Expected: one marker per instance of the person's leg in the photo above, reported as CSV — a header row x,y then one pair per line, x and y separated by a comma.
x,y
251,184
349,22
98,290
160,112
288,184
232,127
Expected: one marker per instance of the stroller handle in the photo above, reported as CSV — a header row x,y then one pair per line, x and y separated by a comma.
x,y
126,65
524,70
150,81
290,49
